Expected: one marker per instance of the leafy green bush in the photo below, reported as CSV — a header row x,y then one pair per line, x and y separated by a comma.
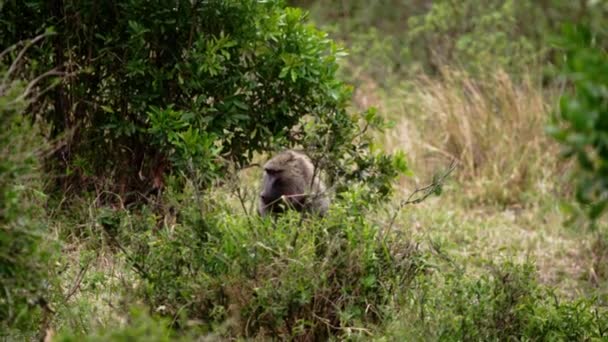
x,y
24,249
295,277
155,88
581,121
507,303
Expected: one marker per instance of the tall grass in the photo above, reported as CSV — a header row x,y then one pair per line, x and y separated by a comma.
x,y
493,127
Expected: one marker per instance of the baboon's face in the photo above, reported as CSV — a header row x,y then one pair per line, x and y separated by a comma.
x,y
279,190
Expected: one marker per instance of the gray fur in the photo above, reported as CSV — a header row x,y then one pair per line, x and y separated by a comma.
x,y
287,185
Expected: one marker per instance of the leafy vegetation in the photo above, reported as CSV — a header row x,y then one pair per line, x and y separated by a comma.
x,y
132,136
185,88
141,327
25,253
256,274
392,39
504,304
582,118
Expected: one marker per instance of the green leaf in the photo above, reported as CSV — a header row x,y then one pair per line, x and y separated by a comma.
x,y
294,75
284,72
240,105
107,109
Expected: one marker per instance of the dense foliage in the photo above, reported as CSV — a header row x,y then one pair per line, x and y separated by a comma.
x,y
346,276
241,276
141,327
155,88
581,122
24,250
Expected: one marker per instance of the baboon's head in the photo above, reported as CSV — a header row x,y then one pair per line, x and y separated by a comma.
x,y
287,178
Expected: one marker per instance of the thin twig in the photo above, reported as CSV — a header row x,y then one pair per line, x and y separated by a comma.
x,y
30,86
316,172
426,191
241,197
79,278
13,66
136,266
328,323
237,189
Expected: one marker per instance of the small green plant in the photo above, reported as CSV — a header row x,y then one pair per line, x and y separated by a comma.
x,y
581,121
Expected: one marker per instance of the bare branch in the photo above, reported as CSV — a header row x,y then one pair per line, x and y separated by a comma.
x,y
13,66
77,282
431,188
249,166
32,84
421,194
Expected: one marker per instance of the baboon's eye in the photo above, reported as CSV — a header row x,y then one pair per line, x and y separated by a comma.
x,y
273,171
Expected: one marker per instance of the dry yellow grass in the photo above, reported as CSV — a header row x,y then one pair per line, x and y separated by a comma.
x,y
494,128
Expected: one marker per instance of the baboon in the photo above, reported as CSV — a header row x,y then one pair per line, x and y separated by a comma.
x,y
288,184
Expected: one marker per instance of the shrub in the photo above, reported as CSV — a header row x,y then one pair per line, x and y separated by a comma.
x,y
392,38
506,303
24,250
479,38
581,121
295,277
180,88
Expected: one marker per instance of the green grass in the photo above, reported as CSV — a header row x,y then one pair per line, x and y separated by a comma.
x,y
476,235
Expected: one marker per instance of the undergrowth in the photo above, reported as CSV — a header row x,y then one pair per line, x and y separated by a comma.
x,y
505,303
294,277
216,272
